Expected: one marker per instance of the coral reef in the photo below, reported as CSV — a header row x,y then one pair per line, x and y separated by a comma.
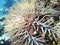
x,y
31,22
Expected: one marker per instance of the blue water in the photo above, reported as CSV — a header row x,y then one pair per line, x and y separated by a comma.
x,y
5,5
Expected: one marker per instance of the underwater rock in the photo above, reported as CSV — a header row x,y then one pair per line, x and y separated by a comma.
x,y
1,29
2,19
4,42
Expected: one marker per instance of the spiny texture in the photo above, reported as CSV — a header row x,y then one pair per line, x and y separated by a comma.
x,y
27,23
18,14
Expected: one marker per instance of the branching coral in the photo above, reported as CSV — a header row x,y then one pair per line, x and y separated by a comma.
x,y
27,23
